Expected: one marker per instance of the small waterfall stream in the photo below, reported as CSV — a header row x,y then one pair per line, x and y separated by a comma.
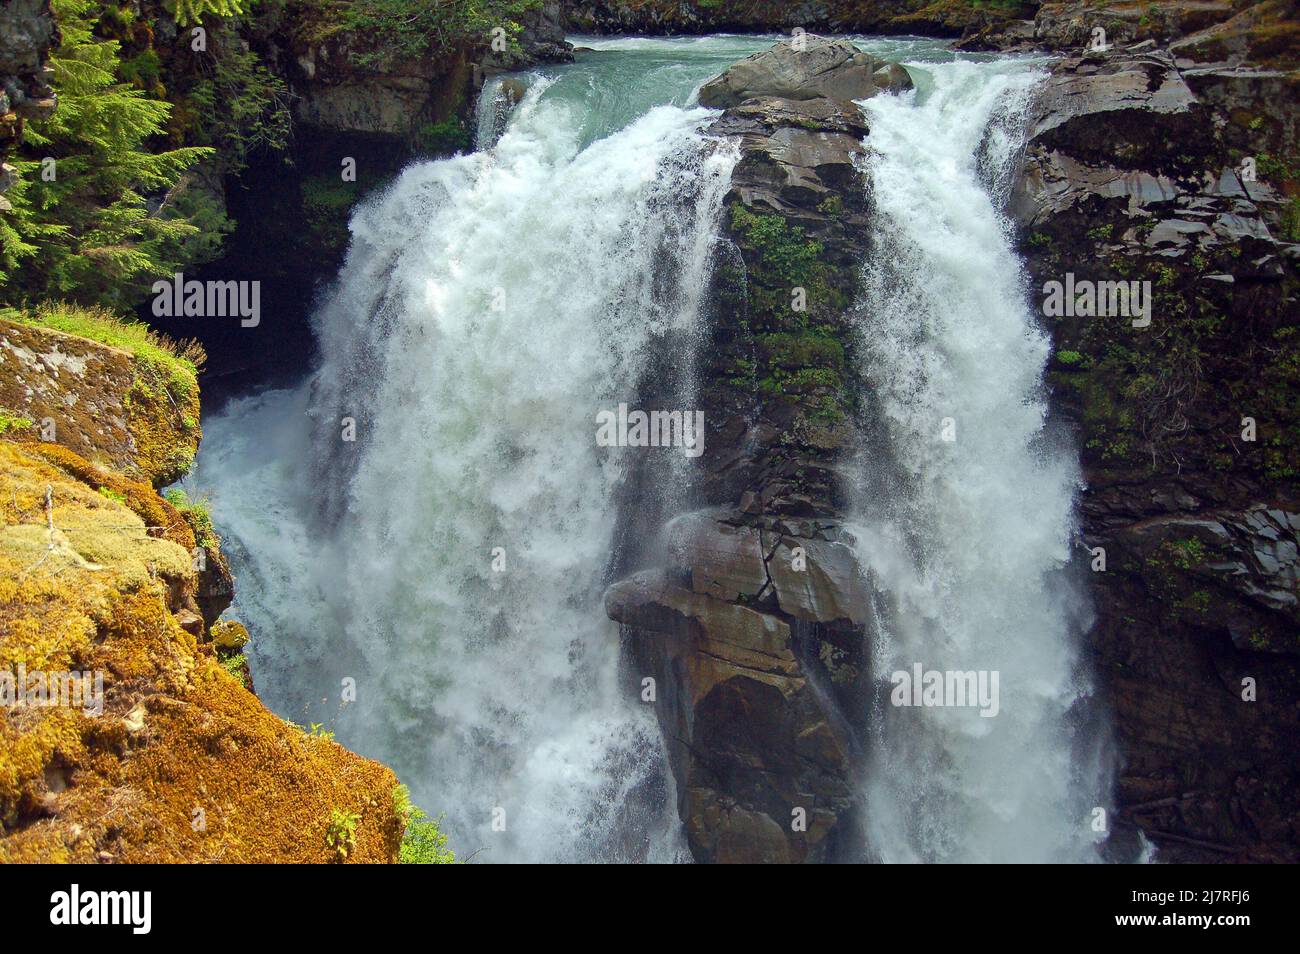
x,y
966,511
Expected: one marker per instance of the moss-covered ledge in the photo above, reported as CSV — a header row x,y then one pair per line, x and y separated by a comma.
x,y
114,392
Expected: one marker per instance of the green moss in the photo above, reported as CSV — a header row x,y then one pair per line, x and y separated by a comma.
x,y
341,835
178,364
798,353
197,514
1069,357
832,206
326,202
448,136
380,33
786,255
115,495
1290,221
1186,554
236,666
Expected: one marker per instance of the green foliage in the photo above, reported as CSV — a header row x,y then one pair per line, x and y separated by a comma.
x,y
799,355
423,843
1069,357
318,731
341,835
1276,169
383,32
234,664
326,201
88,235
1290,221
10,421
1186,554
239,106
187,12
115,495
1273,396
177,364
792,259
197,514
447,136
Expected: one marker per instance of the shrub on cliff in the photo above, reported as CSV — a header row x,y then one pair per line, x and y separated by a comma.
x,y
382,33
423,842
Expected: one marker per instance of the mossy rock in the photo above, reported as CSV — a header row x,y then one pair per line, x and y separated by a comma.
x,y
111,391
229,636
183,764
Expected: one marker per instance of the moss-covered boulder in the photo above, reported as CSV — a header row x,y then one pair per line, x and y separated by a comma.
x,y
112,392
182,763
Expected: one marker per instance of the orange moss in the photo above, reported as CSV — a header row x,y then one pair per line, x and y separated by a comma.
x,y
183,764
162,519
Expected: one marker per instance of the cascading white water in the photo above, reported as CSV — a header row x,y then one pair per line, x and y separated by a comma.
x,y
966,515
491,305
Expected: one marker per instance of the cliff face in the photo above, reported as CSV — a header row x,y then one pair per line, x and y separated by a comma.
x,y
1144,168
27,32
928,17
164,756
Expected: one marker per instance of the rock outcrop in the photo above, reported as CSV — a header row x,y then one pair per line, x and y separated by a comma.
x,y
1264,32
102,402
1146,168
806,69
125,732
340,92
752,620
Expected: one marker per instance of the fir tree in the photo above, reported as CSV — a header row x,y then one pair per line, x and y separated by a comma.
x,y
80,227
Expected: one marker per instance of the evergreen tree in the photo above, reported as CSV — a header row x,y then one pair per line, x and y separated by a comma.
x,y
80,227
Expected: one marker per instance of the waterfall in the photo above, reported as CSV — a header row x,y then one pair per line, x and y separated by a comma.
x,y
430,519
965,518
450,560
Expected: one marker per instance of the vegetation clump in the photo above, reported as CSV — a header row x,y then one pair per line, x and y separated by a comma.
x,y
423,842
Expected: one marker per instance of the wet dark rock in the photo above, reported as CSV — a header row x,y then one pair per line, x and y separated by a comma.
x,y
1135,171
753,621
805,68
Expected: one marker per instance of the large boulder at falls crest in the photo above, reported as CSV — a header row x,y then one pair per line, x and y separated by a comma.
x,y
804,68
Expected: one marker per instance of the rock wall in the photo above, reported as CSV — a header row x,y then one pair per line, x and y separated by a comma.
x,y
27,32
1143,164
1144,167
753,622
927,17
